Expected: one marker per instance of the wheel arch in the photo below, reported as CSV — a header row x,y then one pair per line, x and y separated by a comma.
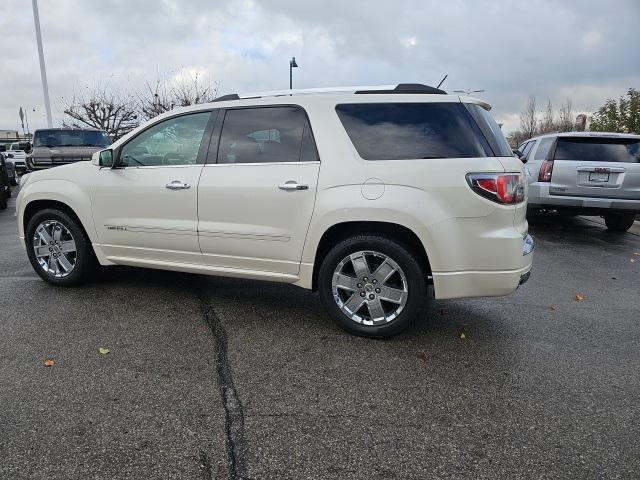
x,y
60,194
343,230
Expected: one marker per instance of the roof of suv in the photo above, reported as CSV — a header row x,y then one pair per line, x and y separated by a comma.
x,y
587,135
369,93
66,129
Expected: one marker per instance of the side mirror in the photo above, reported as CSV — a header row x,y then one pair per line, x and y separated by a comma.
x,y
103,158
520,155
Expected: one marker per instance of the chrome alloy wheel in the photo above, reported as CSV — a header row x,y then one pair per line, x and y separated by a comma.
x,y
55,248
369,288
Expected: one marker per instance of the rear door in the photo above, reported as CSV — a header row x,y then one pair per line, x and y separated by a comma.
x,y
255,203
596,166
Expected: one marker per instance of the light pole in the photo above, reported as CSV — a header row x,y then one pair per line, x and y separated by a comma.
x,y
43,72
292,64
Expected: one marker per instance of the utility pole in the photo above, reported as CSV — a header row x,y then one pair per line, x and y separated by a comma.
x,y
43,71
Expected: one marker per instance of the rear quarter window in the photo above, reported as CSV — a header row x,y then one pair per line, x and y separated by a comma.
x,y
407,131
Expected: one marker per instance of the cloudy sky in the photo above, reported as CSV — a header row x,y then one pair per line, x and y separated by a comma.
x,y
585,50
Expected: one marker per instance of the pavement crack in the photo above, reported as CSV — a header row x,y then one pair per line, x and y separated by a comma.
x,y
233,409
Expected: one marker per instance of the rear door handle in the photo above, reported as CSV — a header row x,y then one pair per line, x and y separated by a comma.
x,y
177,185
292,185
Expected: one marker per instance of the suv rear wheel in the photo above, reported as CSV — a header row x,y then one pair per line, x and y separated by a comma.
x,y
58,248
371,286
619,222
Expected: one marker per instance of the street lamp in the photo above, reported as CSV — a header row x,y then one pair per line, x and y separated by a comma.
x,y
292,64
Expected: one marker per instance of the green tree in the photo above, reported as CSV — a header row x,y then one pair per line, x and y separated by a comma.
x,y
622,116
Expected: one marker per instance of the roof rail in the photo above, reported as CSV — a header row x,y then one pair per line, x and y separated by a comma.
x,y
406,88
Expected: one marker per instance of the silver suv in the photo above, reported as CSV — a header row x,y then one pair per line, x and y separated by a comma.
x,y
584,173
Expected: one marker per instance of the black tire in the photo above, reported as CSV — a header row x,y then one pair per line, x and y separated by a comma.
x,y
3,201
85,260
13,181
402,256
619,222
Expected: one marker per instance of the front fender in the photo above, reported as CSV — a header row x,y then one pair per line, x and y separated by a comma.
x,y
62,191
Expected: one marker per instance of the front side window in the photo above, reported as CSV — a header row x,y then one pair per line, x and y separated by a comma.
x,y
399,131
175,141
266,135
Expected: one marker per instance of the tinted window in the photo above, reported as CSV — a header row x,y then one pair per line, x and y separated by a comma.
x,y
71,138
543,148
598,149
394,131
491,130
175,141
263,135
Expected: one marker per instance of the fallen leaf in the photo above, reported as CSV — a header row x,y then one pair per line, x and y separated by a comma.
x,y
422,356
103,350
632,260
462,336
614,278
49,363
552,307
579,297
636,253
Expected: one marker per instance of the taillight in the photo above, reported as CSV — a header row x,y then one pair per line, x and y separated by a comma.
x,y
545,171
506,188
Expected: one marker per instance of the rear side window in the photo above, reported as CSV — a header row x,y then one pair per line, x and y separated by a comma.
x,y
594,149
266,135
543,148
491,130
398,131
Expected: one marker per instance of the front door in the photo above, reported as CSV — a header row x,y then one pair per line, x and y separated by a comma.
x,y
146,208
256,202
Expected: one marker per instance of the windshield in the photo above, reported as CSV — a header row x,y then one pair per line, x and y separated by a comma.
x,y
71,138
594,149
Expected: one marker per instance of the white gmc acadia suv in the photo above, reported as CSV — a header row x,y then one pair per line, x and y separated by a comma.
x,y
367,194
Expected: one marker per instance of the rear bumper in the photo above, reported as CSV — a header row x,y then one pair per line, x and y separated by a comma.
x,y
539,197
485,283
479,284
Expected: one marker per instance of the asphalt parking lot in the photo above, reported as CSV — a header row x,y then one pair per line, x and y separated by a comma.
x,y
220,378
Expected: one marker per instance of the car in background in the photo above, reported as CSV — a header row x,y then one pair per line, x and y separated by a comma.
x,y
5,188
584,173
60,146
19,150
15,159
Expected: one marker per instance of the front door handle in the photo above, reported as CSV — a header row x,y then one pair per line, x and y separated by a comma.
x,y
292,185
177,185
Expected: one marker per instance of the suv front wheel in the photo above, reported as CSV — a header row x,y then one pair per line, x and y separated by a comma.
x,y
371,286
58,248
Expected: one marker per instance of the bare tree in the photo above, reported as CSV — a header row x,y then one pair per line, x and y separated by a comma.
x,y
166,95
101,109
548,123
566,120
529,118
